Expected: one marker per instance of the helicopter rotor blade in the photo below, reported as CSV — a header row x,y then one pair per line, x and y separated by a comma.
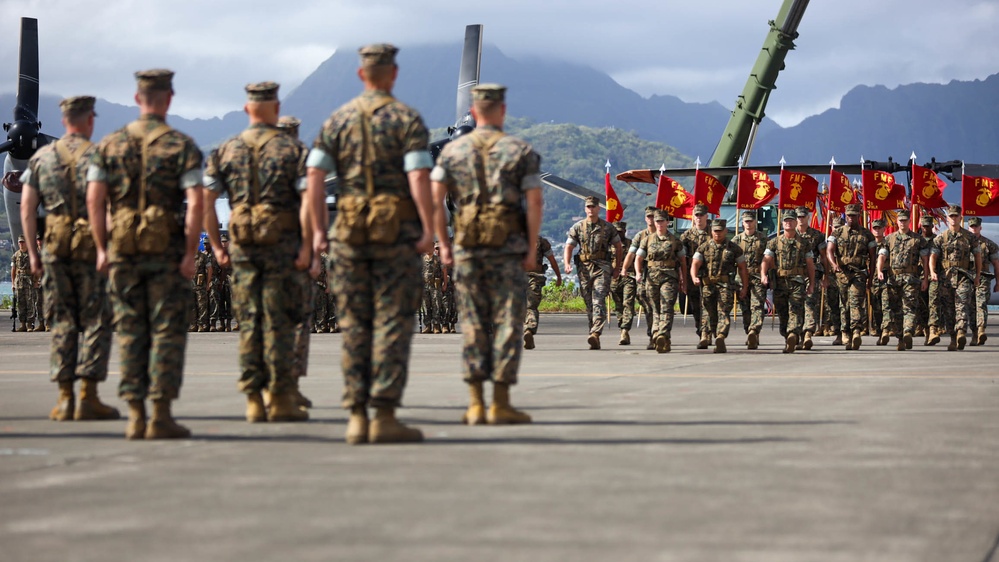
x,y
468,74
27,73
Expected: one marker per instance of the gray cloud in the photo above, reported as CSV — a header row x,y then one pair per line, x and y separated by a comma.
x,y
699,51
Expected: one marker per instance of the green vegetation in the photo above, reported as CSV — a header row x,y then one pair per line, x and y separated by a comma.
x,y
561,299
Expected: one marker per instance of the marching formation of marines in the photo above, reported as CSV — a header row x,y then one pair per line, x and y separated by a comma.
x,y
287,273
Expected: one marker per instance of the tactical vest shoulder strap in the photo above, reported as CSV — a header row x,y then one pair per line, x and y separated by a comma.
x,y
483,144
69,160
256,143
368,149
147,138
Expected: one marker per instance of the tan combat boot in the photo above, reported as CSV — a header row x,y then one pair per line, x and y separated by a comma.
x,y
476,412
790,343
807,344
883,338
65,405
426,329
40,327
962,339
652,344
753,341
952,346
528,340
211,327
136,428
437,328
857,339
162,425
594,340
357,426
284,408
838,340
625,338
256,412
91,407
720,344
982,337
661,344
907,340
933,336
501,412
22,328
385,428
705,340
901,343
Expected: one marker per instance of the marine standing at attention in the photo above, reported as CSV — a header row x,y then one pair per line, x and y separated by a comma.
x,y
495,180
146,172
262,170
378,147
595,237
56,176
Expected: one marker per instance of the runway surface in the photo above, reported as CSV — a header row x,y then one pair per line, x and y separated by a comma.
x,y
750,455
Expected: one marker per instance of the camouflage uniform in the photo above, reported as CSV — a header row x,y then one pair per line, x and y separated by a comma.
x,y
320,321
790,257
594,267
151,298
753,306
663,259
644,299
853,247
955,253
214,291
817,245
929,312
623,290
38,313
989,251
224,298
331,317
433,300
20,267
378,287
536,281
269,294
718,273
880,308
903,253
77,291
491,283
199,285
692,240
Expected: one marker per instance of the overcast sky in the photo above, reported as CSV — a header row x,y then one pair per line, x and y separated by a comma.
x,y
697,50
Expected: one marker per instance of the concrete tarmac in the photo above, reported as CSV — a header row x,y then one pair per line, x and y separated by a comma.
x,y
751,455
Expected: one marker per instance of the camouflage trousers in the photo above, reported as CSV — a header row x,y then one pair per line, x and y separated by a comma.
x,y
789,302
80,309
903,305
852,301
933,316
753,307
813,302
319,312
535,285
38,304
449,306
833,312
879,303
221,302
623,292
152,302
923,314
956,297
267,293
25,294
433,303
202,306
303,329
717,302
981,308
377,301
692,306
594,284
662,292
491,296
647,307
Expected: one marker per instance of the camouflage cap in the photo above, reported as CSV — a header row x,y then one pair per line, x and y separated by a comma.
x,y
660,215
650,210
621,225
489,92
975,221
288,122
262,91
837,220
377,54
954,210
749,215
592,201
20,238
853,209
157,79
903,214
926,221
789,216
700,209
225,236
801,212
719,224
878,223
77,105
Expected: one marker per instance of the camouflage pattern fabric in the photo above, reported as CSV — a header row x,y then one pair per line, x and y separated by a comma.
x,y
640,293
536,281
269,295
718,273
20,265
594,267
816,243
151,298
903,268
378,287
880,320
790,257
214,287
199,284
304,327
852,251
321,316
956,287
753,307
692,239
623,290
433,299
988,250
662,281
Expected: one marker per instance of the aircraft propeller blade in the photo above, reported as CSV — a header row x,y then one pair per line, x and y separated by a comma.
x,y
27,81
562,184
468,74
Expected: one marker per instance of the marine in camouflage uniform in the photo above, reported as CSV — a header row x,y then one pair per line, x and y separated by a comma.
x,y
929,315
661,264
536,281
988,284
960,258
331,317
753,305
39,312
789,259
20,278
214,271
832,313
623,289
902,263
321,316
720,259
692,239
199,285
378,147
851,254
595,238
224,283
149,169
495,181
881,326
813,301
262,171
433,300
56,176
629,260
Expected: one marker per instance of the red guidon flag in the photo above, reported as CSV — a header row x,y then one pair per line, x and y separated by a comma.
x,y
755,189
927,188
614,210
841,193
881,193
797,190
708,191
674,199
980,196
